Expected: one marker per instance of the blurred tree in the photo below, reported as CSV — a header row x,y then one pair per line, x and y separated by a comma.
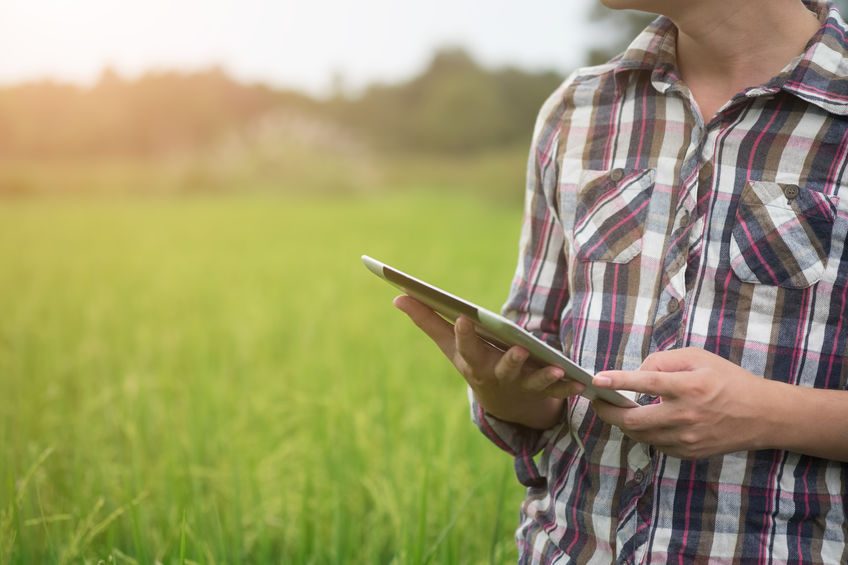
x,y
617,28
455,106
154,114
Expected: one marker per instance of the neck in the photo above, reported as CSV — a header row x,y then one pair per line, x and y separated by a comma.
x,y
721,51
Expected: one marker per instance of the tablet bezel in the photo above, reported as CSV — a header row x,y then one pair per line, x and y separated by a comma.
x,y
499,331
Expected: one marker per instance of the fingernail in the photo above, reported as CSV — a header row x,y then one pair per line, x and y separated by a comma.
x,y
557,373
601,381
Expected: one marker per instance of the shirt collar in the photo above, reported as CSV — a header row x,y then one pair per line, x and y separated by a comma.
x,y
818,76
654,50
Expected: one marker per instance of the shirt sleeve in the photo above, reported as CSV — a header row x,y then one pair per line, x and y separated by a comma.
x,y
539,288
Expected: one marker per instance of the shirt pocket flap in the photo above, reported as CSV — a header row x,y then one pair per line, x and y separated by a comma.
x,y
782,234
612,207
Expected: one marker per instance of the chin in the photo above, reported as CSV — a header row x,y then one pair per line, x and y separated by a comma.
x,y
642,5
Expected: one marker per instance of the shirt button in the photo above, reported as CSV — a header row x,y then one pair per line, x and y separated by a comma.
x,y
616,175
791,192
639,476
684,220
673,306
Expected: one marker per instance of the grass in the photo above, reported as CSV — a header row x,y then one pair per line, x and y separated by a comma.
x,y
218,379
278,168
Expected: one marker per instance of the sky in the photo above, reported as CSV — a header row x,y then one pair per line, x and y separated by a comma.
x,y
299,44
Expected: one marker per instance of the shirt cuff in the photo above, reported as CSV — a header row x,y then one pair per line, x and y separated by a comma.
x,y
519,441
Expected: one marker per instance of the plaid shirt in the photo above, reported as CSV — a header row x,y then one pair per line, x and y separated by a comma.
x,y
647,229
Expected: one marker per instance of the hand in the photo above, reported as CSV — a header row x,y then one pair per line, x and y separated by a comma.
x,y
503,384
708,405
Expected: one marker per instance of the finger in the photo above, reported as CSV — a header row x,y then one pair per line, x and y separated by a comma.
x,y
564,388
609,413
541,380
639,422
509,366
437,328
655,383
646,424
470,347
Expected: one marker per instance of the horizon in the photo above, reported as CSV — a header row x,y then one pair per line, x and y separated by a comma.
x,y
110,73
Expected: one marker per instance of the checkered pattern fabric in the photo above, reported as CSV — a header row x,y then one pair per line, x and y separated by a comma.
x,y
648,229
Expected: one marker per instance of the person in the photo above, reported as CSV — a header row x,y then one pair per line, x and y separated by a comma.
x,y
684,239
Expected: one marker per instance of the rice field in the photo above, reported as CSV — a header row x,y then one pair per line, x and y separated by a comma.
x,y
218,379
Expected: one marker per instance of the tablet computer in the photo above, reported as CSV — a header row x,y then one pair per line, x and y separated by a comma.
x,y
494,328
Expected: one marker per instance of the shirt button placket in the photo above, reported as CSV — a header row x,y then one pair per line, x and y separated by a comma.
x,y
706,172
705,176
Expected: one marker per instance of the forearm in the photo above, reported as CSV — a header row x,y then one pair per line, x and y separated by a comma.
x,y
806,420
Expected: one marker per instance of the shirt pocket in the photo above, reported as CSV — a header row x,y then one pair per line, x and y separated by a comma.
x,y
782,234
610,215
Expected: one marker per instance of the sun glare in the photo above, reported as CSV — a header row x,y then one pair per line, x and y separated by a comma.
x,y
301,44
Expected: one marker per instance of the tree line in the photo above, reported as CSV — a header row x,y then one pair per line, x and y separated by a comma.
x,y
154,114
455,105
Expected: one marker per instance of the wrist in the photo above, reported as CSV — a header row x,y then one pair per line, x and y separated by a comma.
x,y
804,420
769,423
534,411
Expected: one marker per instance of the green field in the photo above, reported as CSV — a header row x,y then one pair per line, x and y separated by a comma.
x,y
219,380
